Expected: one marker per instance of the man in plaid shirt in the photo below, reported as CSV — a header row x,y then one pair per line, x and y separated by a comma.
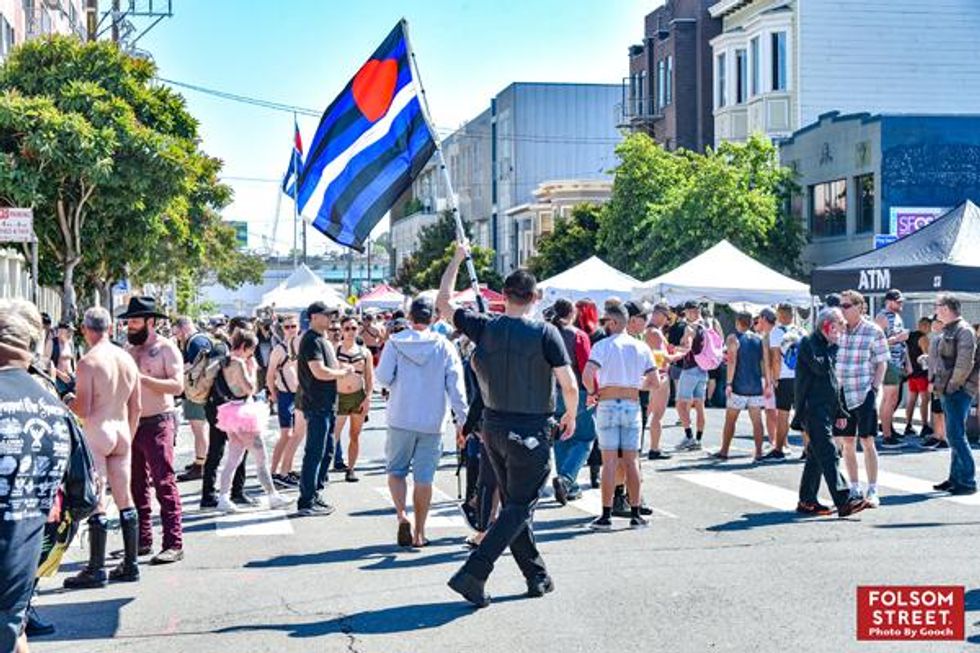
x,y
862,360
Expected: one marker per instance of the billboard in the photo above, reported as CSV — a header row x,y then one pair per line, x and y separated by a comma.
x,y
905,220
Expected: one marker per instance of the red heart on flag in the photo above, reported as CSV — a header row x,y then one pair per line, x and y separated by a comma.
x,y
374,86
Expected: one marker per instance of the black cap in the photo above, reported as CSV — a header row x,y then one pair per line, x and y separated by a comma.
x,y
317,308
894,295
785,306
768,315
635,309
690,304
832,300
45,319
422,310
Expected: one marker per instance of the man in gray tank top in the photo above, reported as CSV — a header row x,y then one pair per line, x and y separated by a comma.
x,y
749,383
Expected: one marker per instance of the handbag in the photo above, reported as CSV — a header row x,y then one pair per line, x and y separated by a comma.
x,y
81,487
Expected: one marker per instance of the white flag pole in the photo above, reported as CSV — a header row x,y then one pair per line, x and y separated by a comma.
x,y
453,205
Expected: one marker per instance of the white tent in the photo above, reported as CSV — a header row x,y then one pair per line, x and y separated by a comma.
x,y
302,288
725,275
593,278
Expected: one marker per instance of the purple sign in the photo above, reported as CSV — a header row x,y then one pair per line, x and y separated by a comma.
x,y
905,221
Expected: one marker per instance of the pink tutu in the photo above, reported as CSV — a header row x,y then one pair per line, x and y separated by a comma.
x,y
243,418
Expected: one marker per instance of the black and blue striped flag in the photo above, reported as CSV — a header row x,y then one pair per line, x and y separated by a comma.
x,y
372,141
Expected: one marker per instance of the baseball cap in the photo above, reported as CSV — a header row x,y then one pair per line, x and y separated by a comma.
x,y
894,295
768,315
832,300
635,309
421,310
690,304
318,308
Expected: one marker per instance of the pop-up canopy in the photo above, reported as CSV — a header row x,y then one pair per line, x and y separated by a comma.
x,y
943,255
382,297
725,275
296,293
593,279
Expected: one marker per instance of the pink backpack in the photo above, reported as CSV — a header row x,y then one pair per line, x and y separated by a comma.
x,y
712,350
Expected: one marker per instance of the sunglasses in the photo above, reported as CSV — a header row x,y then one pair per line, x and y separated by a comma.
x,y
350,328
289,326
846,306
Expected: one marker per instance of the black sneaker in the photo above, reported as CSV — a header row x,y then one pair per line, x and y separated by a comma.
x,y
293,478
208,502
280,482
561,490
340,467
638,522
929,443
910,431
945,486
243,500
37,627
195,473
775,454
960,491
320,501
853,506
316,510
470,588
926,431
942,444
645,509
540,586
657,454
891,443
601,524
620,507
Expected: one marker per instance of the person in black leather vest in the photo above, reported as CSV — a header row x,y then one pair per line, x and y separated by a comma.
x,y
516,361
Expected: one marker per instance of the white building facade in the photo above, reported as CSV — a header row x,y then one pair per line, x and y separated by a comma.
x,y
780,64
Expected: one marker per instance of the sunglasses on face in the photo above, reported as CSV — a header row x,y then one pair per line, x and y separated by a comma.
x,y
846,306
289,326
350,328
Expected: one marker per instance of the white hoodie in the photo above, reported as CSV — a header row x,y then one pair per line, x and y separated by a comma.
x,y
422,370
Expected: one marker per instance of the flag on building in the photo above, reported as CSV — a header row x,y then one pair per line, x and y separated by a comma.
x,y
295,162
372,141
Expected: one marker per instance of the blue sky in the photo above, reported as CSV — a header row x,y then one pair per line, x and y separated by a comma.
x,y
303,52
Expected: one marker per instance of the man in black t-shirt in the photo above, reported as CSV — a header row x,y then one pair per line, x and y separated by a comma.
x,y
34,446
516,362
318,372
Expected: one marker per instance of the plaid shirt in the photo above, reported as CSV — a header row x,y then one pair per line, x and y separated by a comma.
x,y
860,351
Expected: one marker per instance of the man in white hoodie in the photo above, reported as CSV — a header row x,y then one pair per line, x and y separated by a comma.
x,y
423,373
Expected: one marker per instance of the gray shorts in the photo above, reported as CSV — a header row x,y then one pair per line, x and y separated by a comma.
x,y
419,452
693,384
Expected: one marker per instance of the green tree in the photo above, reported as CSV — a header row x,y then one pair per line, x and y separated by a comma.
x,y
423,269
111,164
574,239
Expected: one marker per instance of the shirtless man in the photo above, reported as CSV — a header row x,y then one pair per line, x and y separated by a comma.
x,y
161,374
108,403
373,334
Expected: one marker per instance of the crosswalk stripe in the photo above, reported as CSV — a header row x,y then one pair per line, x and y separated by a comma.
x,y
912,485
251,523
444,512
749,489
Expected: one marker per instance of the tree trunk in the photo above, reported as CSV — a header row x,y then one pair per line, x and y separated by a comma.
x,y
107,296
69,308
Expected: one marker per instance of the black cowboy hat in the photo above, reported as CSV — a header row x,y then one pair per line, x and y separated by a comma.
x,y
142,307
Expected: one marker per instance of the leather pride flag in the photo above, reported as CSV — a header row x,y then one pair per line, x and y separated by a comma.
x,y
372,141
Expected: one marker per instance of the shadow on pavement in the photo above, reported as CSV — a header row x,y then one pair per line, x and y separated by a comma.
x,y
84,620
749,521
931,524
400,619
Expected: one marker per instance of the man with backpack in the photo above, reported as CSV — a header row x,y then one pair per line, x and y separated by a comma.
x,y
704,353
784,345
195,346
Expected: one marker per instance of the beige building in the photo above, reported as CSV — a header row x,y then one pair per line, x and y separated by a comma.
x,y
553,200
21,20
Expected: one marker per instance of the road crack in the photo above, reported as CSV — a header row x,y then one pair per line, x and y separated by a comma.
x,y
347,628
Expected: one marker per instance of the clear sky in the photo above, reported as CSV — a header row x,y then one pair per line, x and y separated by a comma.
x,y
303,52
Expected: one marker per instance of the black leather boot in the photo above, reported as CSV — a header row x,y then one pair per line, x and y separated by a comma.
x,y
93,574
128,570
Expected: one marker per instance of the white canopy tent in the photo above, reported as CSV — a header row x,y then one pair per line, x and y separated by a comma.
x,y
593,279
302,288
725,275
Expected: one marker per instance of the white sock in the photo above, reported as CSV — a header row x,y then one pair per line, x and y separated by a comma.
x,y
855,487
872,487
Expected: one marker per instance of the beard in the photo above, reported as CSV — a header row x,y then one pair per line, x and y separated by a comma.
x,y
137,338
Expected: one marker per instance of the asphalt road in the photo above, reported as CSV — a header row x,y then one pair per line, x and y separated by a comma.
x,y
726,566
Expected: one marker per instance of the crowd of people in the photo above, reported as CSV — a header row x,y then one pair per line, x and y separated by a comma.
x,y
579,388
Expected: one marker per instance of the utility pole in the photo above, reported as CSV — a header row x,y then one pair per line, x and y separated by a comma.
x,y
92,18
115,21
369,275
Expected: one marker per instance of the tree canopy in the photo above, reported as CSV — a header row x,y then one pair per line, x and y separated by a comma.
x,y
423,269
574,239
111,164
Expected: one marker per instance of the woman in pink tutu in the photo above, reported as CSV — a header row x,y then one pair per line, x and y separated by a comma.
x,y
243,419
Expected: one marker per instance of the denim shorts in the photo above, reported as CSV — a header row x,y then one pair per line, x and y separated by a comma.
x,y
693,384
419,452
618,424
193,412
286,409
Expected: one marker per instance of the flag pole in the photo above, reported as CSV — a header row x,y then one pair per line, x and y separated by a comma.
x,y
441,160
296,207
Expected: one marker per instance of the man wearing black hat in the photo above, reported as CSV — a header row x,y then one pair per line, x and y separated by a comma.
x,y
161,368
516,361
890,321
318,372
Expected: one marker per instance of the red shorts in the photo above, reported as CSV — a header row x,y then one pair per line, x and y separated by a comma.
x,y
918,384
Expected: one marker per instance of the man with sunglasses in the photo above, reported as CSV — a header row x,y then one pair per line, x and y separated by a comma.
x,y
890,321
282,382
861,365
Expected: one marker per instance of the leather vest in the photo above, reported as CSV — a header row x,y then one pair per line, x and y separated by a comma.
x,y
510,366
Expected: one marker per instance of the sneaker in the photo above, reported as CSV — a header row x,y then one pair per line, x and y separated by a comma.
x,y
926,431
960,490
719,456
620,507
945,486
469,514
208,503
226,505
601,524
891,443
470,588
293,478
316,510
540,586
278,502
775,454
561,490
35,626
930,443
910,431
244,501
320,501
350,477
195,473
280,482
813,509
872,499
852,507
942,444
688,444
657,454
340,467
167,557
638,521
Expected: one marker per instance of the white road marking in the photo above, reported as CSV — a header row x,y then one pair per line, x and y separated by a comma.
x,y
912,485
444,512
744,488
251,523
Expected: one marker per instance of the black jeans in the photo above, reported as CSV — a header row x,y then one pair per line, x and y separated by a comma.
x,y
822,459
486,485
522,473
217,439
